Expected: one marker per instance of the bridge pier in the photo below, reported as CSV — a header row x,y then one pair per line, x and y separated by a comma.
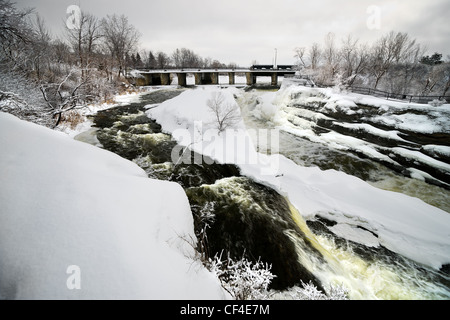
x,y
251,78
198,78
274,79
142,81
165,79
153,79
231,79
206,78
215,78
182,79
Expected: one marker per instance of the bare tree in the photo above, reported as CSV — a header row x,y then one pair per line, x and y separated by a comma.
x,y
16,35
445,78
354,59
162,60
84,38
40,51
437,79
391,48
121,38
186,58
226,115
300,53
381,59
315,55
406,69
13,24
61,97
331,56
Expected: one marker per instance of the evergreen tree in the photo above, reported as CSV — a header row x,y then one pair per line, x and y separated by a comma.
x,y
138,62
151,61
436,58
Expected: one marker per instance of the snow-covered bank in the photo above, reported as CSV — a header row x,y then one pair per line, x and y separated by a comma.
x,y
401,223
66,203
396,133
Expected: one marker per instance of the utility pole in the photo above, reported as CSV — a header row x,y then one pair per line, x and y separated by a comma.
x,y
275,66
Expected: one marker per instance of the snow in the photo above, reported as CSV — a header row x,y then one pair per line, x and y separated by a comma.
x,y
403,224
441,150
355,234
68,206
412,122
399,114
420,157
393,134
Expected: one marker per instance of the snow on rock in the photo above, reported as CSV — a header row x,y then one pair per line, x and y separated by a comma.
x,y
181,111
355,234
75,214
414,117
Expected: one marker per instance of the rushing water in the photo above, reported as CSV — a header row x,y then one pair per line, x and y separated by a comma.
x,y
245,218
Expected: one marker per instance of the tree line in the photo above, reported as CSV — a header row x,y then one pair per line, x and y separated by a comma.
x,y
43,77
179,59
395,63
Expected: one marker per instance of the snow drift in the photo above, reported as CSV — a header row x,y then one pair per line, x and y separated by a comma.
x,y
65,203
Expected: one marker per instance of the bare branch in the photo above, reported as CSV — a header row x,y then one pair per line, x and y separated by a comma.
x,y
226,115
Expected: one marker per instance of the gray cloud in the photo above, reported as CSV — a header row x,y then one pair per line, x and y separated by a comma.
x,y
242,31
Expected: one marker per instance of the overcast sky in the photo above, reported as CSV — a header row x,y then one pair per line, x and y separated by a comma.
x,y
242,31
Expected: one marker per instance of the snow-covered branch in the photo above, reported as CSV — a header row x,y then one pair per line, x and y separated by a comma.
x,y
60,101
243,279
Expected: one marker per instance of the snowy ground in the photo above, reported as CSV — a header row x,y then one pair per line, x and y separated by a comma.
x,y
401,223
78,222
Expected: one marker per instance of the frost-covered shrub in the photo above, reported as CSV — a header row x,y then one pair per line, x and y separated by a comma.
x,y
436,103
243,279
246,280
309,291
72,119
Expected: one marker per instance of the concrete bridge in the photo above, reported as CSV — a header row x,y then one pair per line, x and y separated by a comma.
x,y
211,76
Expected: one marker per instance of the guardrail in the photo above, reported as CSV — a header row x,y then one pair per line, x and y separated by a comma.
x,y
398,96
383,94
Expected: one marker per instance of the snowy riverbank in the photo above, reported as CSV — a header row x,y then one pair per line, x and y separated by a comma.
x,y
78,222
